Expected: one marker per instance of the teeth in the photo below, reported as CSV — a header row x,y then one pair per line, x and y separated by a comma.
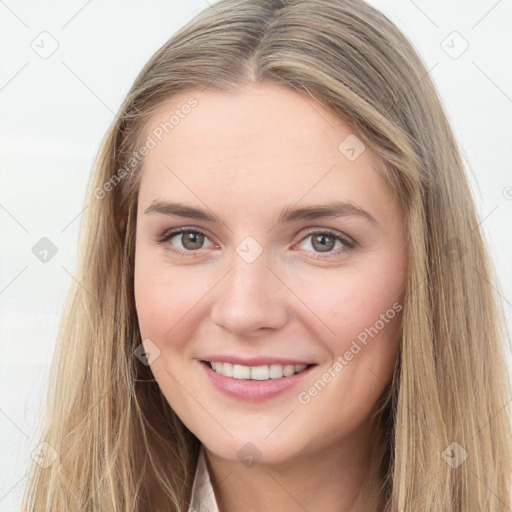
x,y
265,372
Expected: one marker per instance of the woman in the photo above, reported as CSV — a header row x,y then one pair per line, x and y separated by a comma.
x,y
284,299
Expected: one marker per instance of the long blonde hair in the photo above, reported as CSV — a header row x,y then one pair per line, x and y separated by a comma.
x,y
120,446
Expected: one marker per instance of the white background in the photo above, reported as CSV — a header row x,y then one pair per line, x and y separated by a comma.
x,y
55,111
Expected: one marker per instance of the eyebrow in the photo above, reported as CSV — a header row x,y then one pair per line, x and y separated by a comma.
x,y
287,215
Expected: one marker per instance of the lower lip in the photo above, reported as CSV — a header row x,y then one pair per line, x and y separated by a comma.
x,y
253,390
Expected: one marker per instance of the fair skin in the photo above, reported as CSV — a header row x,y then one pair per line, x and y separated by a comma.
x,y
244,157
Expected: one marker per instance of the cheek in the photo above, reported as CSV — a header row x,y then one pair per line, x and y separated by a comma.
x,y
160,304
153,301
169,302
351,302
345,304
362,311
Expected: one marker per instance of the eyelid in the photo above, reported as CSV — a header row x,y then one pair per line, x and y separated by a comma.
x,y
349,241
170,233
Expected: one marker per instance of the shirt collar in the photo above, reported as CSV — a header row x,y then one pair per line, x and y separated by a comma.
x,y
202,497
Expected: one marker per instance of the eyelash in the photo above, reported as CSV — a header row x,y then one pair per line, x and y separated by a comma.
x,y
348,243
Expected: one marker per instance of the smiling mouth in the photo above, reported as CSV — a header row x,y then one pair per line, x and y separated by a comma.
x,y
263,372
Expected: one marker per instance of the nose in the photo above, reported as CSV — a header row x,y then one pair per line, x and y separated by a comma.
x,y
250,297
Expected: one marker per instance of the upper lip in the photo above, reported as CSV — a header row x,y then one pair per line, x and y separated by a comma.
x,y
254,361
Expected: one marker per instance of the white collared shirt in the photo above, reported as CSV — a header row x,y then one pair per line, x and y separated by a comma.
x,y
203,497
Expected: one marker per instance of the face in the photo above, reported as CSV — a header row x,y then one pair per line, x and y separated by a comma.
x,y
268,275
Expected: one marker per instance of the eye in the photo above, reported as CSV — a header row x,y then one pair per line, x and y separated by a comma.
x,y
324,241
191,240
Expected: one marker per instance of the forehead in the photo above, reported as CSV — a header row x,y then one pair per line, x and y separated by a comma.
x,y
263,143
261,119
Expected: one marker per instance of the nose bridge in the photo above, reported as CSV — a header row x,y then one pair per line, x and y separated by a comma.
x,y
250,268
250,278
247,298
